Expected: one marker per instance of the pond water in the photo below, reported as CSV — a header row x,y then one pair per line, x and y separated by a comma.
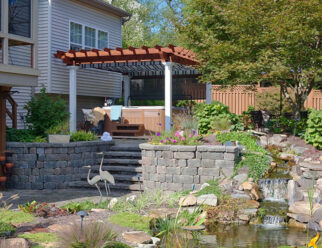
x,y
260,236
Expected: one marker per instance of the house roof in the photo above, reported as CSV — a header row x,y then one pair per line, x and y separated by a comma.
x,y
103,5
171,53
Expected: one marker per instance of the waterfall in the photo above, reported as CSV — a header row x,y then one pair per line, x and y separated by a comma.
x,y
273,220
274,189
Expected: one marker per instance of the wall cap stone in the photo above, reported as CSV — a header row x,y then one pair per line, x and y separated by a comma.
x,y
58,145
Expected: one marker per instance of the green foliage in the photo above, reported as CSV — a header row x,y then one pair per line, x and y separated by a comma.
x,y
313,133
45,112
287,125
186,104
176,138
19,135
208,113
184,121
15,217
135,221
247,119
147,102
244,139
41,237
6,229
219,123
213,188
235,46
83,136
74,207
60,128
115,244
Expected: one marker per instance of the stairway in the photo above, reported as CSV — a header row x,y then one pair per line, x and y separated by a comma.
x,y
128,130
122,161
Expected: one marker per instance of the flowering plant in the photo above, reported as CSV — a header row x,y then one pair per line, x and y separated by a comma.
x,y
176,138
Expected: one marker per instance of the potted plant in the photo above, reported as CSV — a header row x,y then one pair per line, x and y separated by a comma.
x,y
3,179
59,133
9,165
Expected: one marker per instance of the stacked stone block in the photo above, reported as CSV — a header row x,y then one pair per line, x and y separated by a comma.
x,y
177,168
51,166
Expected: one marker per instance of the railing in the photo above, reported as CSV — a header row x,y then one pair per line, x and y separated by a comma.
x,y
13,113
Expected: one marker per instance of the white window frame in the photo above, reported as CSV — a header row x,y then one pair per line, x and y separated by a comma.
x,y
83,34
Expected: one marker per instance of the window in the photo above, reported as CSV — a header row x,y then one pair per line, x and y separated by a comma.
x,y
84,37
102,39
76,36
19,17
19,53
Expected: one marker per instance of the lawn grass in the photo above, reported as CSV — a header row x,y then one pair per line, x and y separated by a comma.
x,y
132,220
15,217
84,205
39,238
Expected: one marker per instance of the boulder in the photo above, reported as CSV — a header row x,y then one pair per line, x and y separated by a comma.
x,y
320,224
303,218
243,170
137,237
247,185
287,156
58,227
112,203
317,214
209,199
305,183
255,192
294,223
240,196
312,166
276,139
314,226
253,204
302,207
14,243
162,213
189,200
244,217
239,179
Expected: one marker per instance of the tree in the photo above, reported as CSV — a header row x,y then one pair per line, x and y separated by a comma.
x,y
247,41
149,24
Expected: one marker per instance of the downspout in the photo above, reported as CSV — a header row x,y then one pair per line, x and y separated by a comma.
x,y
49,86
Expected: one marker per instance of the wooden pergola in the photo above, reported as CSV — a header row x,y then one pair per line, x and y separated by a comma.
x,y
130,62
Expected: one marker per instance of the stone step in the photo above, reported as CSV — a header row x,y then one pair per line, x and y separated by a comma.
x,y
122,161
122,154
126,148
117,168
117,177
123,186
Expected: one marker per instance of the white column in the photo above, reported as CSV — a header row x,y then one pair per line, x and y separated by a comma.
x,y
72,97
126,85
208,93
168,94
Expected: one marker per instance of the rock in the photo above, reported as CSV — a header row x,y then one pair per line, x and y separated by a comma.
x,y
312,166
189,200
204,186
240,196
99,210
276,139
240,178
302,207
303,218
14,243
162,213
263,141
194,228
273,165
253,204
137,237
243,170
314,226
287,156
131,198
320,224
156,241
209,199
305,183
294,223
247,186
250,179
147,246
291,189
249,211
255,192
244,217
319,181
112,203
320,158
317,214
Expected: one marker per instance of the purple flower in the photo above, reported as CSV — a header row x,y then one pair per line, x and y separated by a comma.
x,y
160,124
168,138
174,141
194,131
158,134
161,141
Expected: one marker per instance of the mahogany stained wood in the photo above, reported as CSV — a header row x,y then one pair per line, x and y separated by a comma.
x,y
3,119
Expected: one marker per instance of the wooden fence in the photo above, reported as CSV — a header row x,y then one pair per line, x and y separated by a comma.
x,y
239,98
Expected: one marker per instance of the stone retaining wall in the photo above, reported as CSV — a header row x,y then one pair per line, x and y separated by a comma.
x,y
177,168
51,166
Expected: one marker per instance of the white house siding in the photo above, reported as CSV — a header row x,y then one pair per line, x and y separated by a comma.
x,y
90,82
24,94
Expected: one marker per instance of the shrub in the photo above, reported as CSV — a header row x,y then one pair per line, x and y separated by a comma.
x,y
6,229
184,121
74,207
19,135
94,235
247,118
60,128
206,113
270,101
83,136
287,125
45,112
176,138
313,134
220,123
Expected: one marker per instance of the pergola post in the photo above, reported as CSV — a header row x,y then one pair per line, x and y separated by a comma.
x,y
126,85
208,93
73,97
168,94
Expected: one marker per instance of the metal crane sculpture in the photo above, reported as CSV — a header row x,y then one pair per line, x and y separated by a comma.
x,y
94,181
106,177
